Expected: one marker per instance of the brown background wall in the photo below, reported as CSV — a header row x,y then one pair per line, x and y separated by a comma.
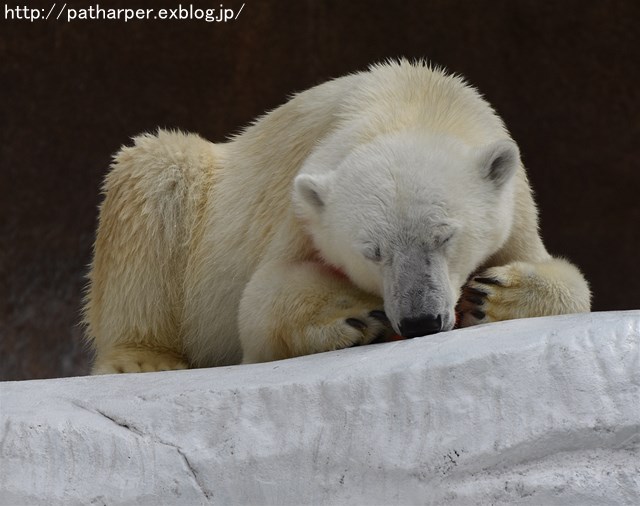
x,y
564,76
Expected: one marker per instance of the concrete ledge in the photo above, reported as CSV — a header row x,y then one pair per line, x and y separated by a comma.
x,y
539,411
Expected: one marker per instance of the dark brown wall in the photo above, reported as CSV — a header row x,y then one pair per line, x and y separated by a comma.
x,y
564,75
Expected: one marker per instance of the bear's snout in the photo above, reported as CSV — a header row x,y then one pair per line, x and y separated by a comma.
x,y
423,325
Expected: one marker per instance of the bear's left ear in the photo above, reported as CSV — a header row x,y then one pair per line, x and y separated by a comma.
x,y
499,161
309,192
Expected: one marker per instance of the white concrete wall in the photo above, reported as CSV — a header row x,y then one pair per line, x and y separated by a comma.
x,y
541,411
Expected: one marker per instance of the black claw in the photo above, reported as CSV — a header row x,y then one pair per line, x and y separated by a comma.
x,y
381,337
475,291
488,281
478,314
355,323
379,315
478,301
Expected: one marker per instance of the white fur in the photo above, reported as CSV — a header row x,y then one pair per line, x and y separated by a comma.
x,y
208,250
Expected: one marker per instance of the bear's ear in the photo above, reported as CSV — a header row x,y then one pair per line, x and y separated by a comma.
x,y
309,192
499,161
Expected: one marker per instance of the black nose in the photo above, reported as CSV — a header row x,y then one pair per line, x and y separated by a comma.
x,y
420,326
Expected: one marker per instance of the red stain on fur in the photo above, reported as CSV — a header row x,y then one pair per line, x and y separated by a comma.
x,y
336,271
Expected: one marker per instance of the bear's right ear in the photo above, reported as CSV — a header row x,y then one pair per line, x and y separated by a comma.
x,y
499,161
309,192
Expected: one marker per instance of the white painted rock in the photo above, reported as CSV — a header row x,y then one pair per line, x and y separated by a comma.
x,y
540,411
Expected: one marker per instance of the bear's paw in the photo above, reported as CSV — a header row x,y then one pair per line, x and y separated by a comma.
x,y
138,359
523,290
345,328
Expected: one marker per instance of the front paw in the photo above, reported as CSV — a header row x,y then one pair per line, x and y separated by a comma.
x,y
502,293
344,328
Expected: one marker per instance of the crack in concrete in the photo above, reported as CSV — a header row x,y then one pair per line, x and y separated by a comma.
x,y
138,433
194,473
119,423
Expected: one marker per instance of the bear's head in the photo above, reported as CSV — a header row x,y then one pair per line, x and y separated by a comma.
x,y
410,217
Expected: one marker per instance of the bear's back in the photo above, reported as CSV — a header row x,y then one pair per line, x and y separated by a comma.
x,y
400,95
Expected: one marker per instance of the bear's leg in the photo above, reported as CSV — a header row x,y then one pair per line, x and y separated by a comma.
x,y
288,310
134,301
523,290
138,358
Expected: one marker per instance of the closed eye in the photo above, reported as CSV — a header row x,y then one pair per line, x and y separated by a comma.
x,y
372,253
444,241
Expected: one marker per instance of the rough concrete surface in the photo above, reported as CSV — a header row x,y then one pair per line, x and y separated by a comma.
x,y
539,411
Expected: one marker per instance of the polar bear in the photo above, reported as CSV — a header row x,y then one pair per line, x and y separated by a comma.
x,y
387,201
